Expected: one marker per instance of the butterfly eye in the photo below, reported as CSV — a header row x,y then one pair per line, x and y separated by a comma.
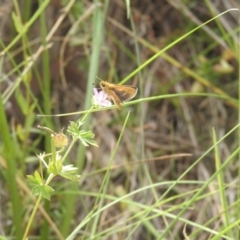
x,y
103,84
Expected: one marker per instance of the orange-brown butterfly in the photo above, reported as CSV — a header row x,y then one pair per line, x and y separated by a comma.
x,y
118,93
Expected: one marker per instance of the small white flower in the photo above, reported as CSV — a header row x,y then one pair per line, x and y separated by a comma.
x,y
100,99
69,168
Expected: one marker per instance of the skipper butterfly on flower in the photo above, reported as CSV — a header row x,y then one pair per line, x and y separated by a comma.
x,y
118,93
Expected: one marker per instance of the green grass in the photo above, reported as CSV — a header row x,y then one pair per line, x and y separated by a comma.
x,y
168,160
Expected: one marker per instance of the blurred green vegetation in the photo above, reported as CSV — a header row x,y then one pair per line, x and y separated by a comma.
x,y
167,164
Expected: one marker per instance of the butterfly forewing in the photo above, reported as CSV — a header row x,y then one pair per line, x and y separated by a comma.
x,y
126,93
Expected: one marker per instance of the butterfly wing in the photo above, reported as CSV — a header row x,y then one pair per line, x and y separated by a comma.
x,y
125,93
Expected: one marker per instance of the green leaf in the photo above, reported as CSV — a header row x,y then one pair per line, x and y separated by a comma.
x,y
17,22
86,137
70,176
73,129
21,100
38,187
36,190
38,177
42,189
34,180
46,192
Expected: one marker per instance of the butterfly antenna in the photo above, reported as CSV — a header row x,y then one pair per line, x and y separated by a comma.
x,y
98,78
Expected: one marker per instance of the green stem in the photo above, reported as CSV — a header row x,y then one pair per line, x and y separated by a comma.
x,y
8,153
50,177
32,216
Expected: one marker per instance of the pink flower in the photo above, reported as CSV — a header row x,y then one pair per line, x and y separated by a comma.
x,y
100,99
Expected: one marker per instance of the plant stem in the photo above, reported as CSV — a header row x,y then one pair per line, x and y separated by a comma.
x,y
32,216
